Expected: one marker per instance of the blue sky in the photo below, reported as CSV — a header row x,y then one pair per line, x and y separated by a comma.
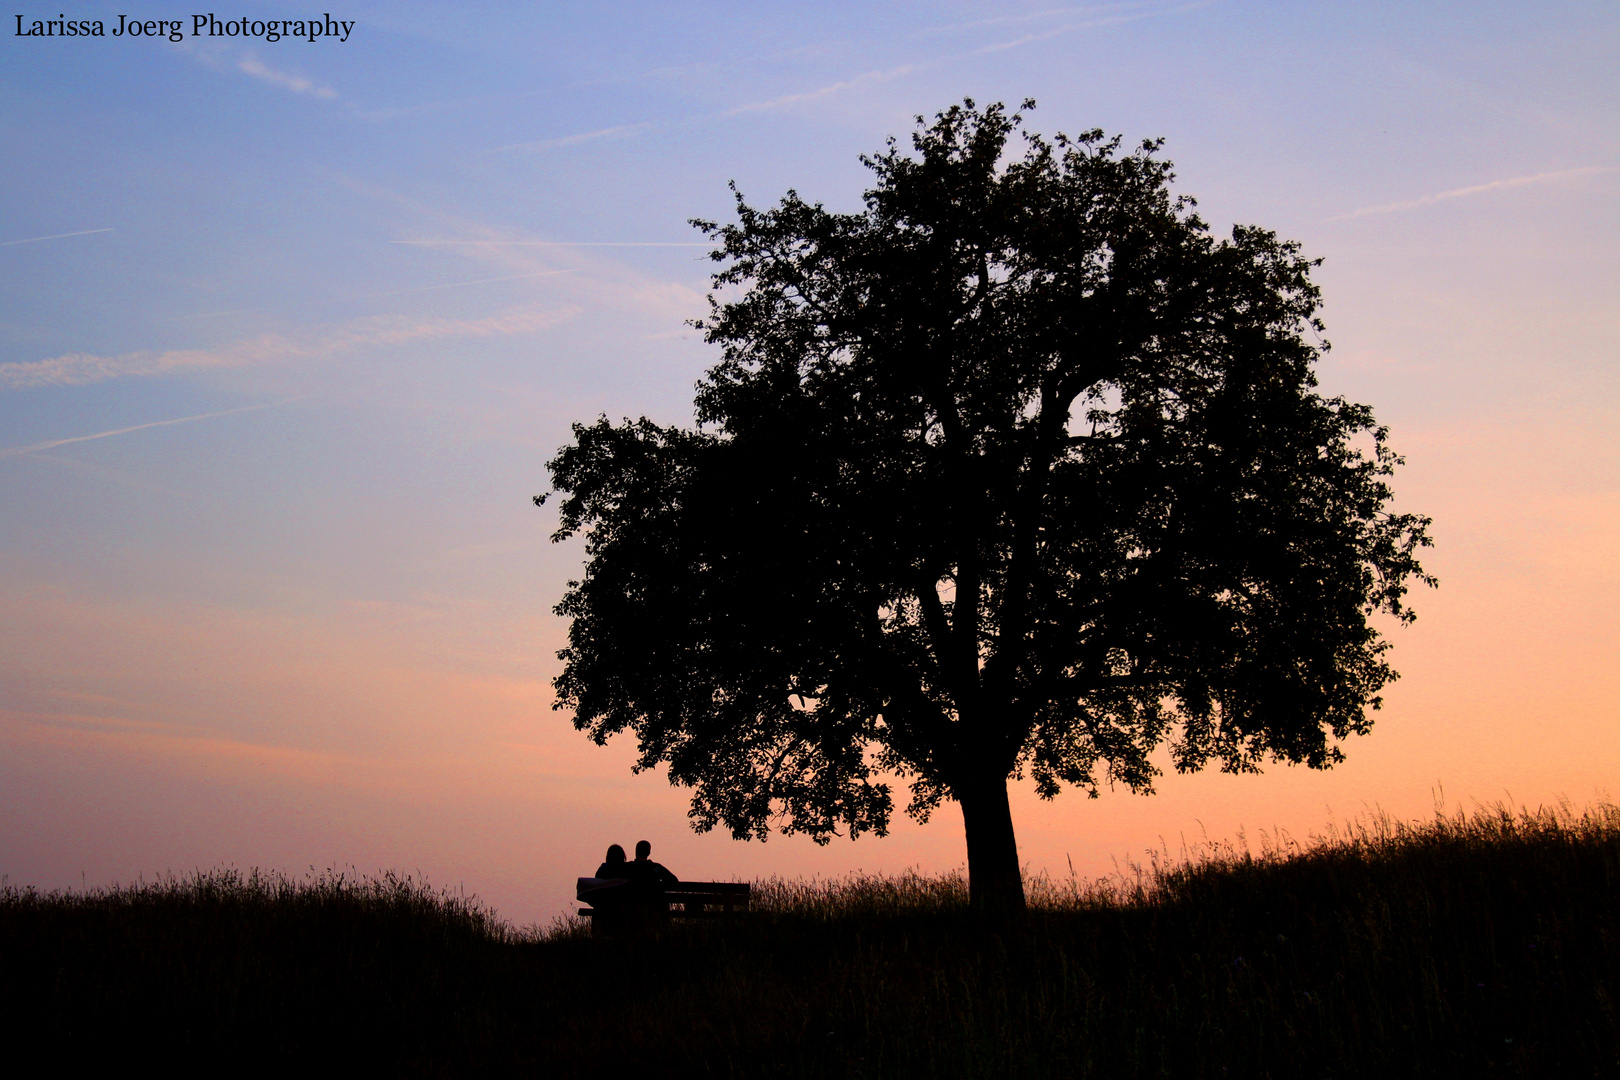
x,y
313,624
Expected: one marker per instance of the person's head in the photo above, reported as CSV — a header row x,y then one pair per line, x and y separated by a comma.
x,y
615,853
643,850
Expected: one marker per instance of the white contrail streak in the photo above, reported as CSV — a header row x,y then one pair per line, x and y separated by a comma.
x,y
53,236
548,243
1030,16
14,451
573,140
370,296
831,88
1477,189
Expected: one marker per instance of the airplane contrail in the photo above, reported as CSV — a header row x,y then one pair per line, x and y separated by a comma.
x,y
1476,189
14,451
573,140
53,236
370,296
550,243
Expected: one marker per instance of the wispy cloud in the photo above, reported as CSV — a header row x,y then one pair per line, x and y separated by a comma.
x,y
219,57
77,369
1026,17
865,79
1090,24
177,742
53,236
605,280
51,444
1126,13
252,65
619,132
1478,189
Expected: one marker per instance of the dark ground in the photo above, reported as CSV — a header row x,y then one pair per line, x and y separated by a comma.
x,y
1481,947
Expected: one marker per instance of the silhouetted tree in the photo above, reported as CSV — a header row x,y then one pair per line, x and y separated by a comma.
x,y
1017,471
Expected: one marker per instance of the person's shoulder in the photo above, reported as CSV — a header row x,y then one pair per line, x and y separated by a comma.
x,y
647,870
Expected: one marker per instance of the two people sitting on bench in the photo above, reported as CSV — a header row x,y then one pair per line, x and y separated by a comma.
x,y
630,889
642,871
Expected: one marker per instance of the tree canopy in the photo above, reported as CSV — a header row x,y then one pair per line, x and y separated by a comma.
x,y
1016,471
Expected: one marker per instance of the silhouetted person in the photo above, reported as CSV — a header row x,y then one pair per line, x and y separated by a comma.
x,y
645,870
611,893
616,866
648,881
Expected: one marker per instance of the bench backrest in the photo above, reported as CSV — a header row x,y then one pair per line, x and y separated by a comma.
x,y
691,897
698,895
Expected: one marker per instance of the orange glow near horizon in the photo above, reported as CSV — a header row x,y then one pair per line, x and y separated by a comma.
x,y
407,759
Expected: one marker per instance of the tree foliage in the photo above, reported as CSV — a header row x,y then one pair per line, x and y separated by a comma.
x,y
1017,470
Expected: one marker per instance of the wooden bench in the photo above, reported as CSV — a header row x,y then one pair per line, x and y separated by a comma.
x,y
689,899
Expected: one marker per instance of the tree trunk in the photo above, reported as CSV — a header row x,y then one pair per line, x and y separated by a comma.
x,y
995,884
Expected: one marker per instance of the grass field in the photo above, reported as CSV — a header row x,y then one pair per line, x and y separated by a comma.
x,y
1482,945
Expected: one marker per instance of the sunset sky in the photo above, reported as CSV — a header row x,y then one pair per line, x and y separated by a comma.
x,y
288,331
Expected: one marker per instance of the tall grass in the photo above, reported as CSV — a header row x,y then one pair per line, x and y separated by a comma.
x,y
1485,944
